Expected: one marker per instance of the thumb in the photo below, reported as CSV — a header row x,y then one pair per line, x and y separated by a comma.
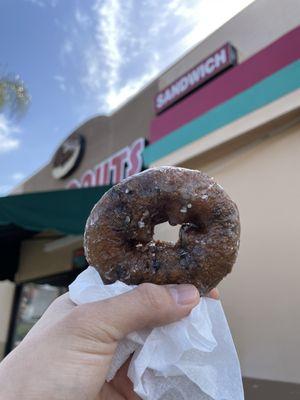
x,y
146,306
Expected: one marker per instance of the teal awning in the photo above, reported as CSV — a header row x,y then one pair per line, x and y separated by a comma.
x,y
21,216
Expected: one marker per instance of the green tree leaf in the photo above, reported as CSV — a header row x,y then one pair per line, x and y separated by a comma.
x,y
14,96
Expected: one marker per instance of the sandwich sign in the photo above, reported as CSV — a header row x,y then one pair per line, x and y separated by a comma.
x,y
216,63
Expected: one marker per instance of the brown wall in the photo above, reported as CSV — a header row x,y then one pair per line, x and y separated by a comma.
x,y
104,136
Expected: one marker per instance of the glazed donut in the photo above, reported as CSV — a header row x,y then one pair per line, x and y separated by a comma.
x,y
118,237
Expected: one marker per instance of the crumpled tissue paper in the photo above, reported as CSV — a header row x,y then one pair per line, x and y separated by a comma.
x,y
192,359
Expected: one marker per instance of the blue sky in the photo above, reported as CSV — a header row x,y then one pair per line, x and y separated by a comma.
x,y
80,58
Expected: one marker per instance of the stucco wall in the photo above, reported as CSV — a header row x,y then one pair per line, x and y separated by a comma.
x,y
36,262
261,297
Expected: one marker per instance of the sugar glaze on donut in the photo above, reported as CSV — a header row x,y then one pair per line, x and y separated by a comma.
x,y
118,237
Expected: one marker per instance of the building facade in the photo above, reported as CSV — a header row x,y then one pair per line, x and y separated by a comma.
x,y
229,107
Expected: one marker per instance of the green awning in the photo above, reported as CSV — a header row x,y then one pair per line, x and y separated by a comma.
x,y
21,216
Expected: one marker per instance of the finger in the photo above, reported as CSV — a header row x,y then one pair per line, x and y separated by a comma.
x,y
214,294
109,392
146,306
123,384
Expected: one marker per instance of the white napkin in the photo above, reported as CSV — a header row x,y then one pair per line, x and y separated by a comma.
x,y
192,359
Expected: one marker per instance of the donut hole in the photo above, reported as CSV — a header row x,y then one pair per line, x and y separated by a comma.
x,y
166,232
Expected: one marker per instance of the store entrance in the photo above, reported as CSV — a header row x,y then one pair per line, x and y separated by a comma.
x,y
31,300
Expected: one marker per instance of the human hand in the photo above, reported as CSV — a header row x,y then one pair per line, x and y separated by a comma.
x,y
68,352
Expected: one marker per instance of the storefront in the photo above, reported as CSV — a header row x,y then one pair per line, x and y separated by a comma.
x,y
230,107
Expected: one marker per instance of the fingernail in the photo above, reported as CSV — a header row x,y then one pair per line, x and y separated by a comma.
x,y
214,294
184,294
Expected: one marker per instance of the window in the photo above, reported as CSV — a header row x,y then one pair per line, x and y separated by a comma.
x,y
34,300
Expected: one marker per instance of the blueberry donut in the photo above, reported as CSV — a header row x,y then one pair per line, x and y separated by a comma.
x,y
118,237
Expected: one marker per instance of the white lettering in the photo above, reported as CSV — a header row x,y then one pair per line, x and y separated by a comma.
x,y
203,72
184,83
220,58
209,65
135,161
194,76
168,95
160,100
73,184
175,90
191,79
88,179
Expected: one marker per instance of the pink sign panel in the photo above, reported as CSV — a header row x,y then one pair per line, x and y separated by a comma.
x,y
266,62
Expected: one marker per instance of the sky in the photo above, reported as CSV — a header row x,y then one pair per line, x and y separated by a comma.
x,y
81,58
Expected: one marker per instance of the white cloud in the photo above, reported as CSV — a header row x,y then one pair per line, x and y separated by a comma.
x,y
129,42
61,82
39,3
59,78
18,176
7,140
66,48
205,17
43,3
81,18
108,55
115,96
110,24
104,57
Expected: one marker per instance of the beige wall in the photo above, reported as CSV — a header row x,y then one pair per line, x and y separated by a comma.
x,y
36,262
249,31
262,297
6,300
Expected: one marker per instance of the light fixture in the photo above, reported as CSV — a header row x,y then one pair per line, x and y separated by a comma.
x,y
62,242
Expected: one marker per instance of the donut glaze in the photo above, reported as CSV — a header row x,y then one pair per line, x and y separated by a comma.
x,y
118,237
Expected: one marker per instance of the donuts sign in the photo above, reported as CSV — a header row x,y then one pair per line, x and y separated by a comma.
x,y
127,161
